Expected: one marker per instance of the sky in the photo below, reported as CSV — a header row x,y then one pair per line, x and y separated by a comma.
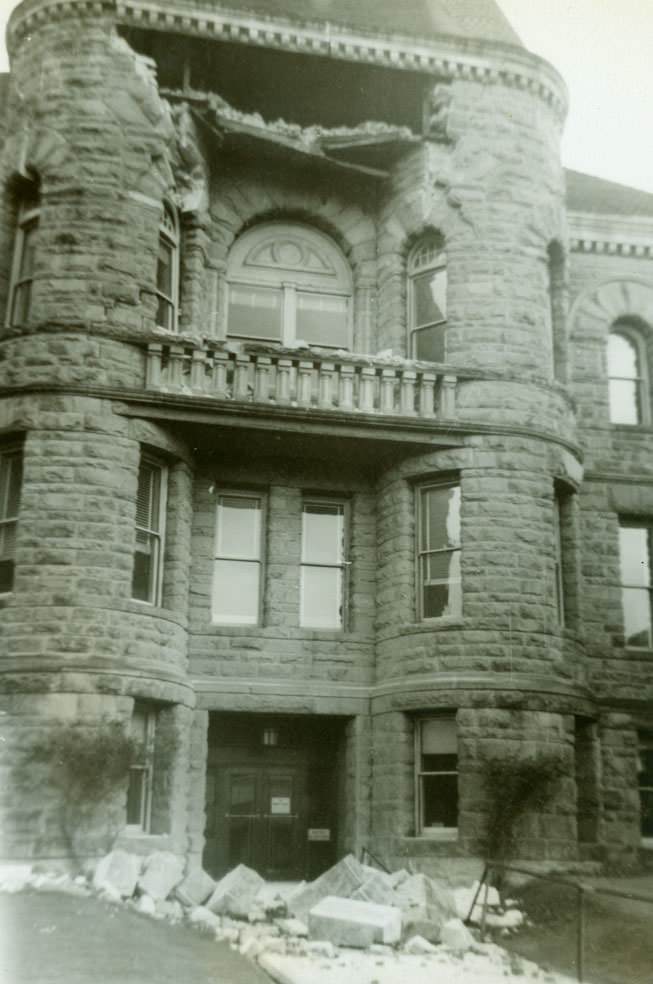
x,y
602,48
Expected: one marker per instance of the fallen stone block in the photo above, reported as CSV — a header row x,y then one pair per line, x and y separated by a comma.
x,y
227,934
196,888
203,918
377,887
163,871
397,877
236,892
347,922
426,905
116,874
14,877
342,881
146,905
417,945
170,909
320,948
292,927
455,936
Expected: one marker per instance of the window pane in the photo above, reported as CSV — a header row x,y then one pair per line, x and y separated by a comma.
x,y
440,521
439,801
634,556
6,575
322,533
439,736
148,496
321,594
236,592
242,795
136,796
165,313
646,800
442,594
138,724
637,617
646,764
164,267
239,527
145,566
322,320
27,256
430,297
428,344
622,357
11,467
22,302
624,401
255,312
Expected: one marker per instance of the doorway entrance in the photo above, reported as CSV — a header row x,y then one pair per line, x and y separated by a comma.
x,y
272,794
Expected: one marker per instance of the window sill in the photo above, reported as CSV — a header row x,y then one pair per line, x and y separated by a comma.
x,y
647,843
438,834
443,624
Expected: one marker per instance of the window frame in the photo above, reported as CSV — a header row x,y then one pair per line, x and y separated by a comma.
x,y
288,284
151,461
29,215
432,244
421,830
169,237
644,741
639,523
420,490
261,497
559,554
12,450
145,768
633,336
343,565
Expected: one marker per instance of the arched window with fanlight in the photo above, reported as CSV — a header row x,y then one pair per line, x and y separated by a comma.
x,y
627,377
427,299
288,284
167,270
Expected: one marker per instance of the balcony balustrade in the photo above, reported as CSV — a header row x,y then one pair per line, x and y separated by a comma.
x,y
324,382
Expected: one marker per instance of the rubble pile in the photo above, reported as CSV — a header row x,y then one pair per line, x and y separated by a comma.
x,y
350,908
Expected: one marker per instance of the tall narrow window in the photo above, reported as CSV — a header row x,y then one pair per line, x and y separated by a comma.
x,y
22,273
11,477
150,516
323,565
289,284
139,791
645,781
635,558
238,559
558,554
626,377
436,757
167,271
427,300
438,551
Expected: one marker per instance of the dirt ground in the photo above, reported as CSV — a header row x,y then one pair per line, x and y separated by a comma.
x,y
618,932
51,938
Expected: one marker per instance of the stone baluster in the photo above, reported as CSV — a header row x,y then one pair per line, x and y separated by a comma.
x,y
177,358
346,387
241,381
388,382
220,363
447,403
284,367
262,374
426,395
153,366
367,387
305,384
407,392
197,371
327,373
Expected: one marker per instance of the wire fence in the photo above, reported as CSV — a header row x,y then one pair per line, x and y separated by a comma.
x,y
603,934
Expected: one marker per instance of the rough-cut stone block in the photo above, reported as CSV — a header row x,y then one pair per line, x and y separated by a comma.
x,y
163,871
426,905
195,889
455,936
418,945
117,873
236,893
343,879
204,919
377,888
292,927
347,922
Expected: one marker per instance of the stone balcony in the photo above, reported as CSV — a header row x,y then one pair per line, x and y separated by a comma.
x,y
331,383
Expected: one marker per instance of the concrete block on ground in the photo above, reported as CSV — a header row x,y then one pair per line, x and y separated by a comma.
x,y
235,894
196,888
117,873
163,871
348,922
455,936
342,880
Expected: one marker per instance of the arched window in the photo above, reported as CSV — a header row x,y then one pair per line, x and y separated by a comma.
x,y
626,375
288,283
427,299
22,270
167,270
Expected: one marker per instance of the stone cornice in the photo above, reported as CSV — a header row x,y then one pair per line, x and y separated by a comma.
x,y
614,235
448,57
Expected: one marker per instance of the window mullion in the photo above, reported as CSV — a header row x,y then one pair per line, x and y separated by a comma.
x,y
289,316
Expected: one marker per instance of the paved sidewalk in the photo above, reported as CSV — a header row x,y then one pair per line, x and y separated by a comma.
x,y
51,938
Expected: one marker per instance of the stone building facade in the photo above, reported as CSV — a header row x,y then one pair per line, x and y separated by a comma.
x,y
326,464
